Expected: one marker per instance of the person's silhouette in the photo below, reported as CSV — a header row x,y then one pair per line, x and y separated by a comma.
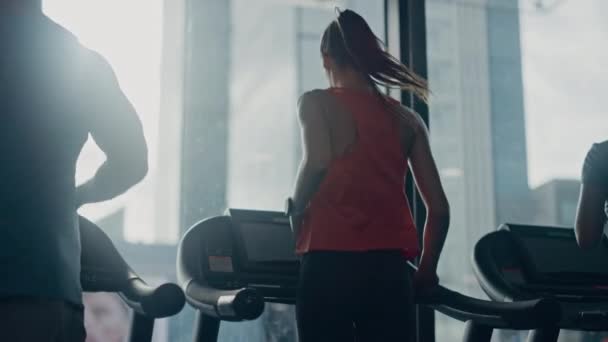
x,y
592,210
53,94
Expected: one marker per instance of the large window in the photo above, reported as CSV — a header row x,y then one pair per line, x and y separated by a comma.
x,y
249,61
518,100
141,41
135,52
269,56
274,58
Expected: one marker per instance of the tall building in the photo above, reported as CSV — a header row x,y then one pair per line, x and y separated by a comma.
x,y
512,197
555,202
477,127
275,58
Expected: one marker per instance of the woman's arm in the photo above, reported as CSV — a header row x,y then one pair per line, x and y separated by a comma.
x,y
437,222
316,153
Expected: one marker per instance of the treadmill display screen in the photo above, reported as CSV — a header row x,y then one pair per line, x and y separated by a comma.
x,y
559,255
267,242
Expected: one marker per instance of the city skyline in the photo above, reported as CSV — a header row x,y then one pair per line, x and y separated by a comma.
x,y
261,121
563,86
553,106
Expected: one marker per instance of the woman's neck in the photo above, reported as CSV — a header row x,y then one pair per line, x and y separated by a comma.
x,y
350,79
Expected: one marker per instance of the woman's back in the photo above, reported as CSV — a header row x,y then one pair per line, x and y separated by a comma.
x,y
349,211
361,203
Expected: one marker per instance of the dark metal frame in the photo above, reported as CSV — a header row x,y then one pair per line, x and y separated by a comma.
x,y
412,50
105,270
481,317
142,328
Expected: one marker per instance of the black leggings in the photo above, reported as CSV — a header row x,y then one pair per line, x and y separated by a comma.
x,y
354,296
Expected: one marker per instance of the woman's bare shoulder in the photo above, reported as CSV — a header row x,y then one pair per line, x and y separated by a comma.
x,y
408,117
314,96
311,104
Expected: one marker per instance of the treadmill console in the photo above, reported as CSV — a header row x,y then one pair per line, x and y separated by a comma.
x,y
540,260
249,248
553,259
519,262
229,266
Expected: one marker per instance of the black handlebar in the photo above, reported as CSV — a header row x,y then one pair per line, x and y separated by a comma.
x,y
529,314
94,279
104,269
155,302
228,305
248,303
524,315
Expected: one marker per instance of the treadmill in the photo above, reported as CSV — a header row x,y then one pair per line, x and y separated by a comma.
x,y
104,270
229,266
519,262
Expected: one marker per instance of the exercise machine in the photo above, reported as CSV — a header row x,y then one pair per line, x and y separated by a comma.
x,y
519,262
229,266
104,270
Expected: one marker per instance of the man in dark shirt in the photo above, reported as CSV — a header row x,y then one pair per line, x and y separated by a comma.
x,y
592,210
54,93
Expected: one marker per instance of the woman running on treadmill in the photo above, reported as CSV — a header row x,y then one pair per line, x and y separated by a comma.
x,y
593,201
349,212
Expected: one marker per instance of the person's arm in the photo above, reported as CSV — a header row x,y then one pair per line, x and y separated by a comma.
x,y
437,222
115,127
316,154
590,214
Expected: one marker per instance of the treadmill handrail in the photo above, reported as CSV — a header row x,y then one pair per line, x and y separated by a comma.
x,y
229,305
161,301
104,270
526,315
529,314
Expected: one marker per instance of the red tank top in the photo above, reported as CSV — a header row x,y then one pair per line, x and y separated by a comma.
x,y
361,204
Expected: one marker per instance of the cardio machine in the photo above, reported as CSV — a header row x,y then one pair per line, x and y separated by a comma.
x,y
229,266
518,262
104,270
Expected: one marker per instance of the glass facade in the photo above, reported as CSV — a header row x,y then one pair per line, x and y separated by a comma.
x,y
269,56
143,222
516,102
274,59
511,120
139,57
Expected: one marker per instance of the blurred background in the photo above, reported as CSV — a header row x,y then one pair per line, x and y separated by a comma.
x,y
518,98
